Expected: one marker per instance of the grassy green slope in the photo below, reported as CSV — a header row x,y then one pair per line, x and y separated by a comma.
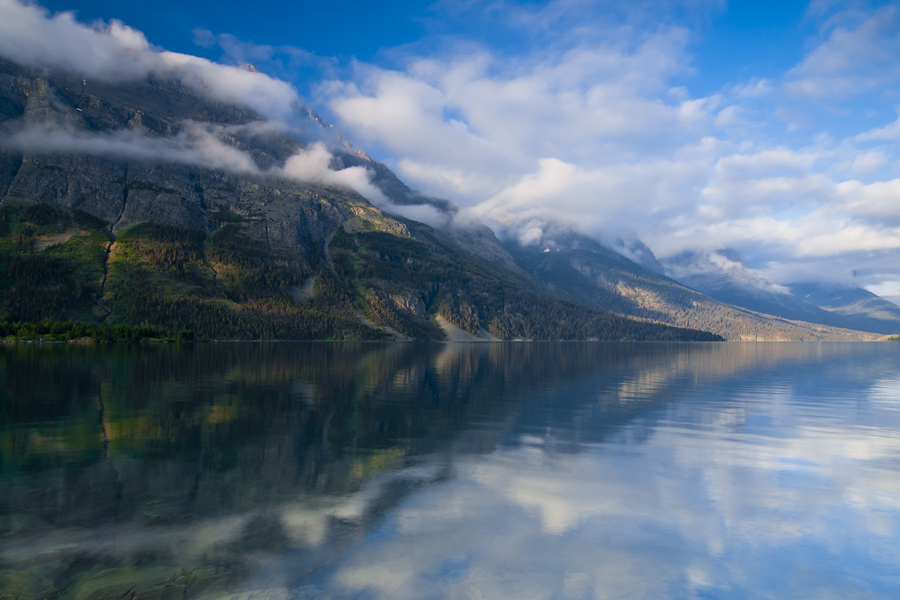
x,y
61,266
40,279
224,285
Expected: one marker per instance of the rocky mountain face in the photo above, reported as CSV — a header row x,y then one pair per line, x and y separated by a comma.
x,y
144,203
81,148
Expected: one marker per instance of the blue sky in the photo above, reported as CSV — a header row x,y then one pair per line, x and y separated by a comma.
x,y
729,39
771,127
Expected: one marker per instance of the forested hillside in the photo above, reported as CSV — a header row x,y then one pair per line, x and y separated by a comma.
x,y
62,268
401,278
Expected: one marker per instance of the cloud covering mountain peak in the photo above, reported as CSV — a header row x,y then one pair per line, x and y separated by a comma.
x,y
111,53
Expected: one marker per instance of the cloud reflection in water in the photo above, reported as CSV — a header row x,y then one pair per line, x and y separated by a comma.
x,y
751,487
459,471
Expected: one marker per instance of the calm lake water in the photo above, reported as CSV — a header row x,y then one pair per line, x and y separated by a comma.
x,y
544,470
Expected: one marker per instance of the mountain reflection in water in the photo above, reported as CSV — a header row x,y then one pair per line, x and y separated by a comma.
x,y
544,470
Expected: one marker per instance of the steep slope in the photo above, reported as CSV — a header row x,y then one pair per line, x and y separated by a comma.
x,y
723,275
859,307
402,272
588,273
146,204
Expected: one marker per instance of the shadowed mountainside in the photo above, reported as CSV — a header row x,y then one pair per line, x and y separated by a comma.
x,y
143,203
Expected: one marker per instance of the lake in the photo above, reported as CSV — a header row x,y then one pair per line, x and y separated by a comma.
x,y
522,470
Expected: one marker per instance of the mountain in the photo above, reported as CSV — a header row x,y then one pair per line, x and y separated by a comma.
x,y
147,205
144,205
585,271
723,275
864,309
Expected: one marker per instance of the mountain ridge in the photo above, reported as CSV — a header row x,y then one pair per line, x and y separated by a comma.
x,y
213,215
206,228
594,275
723,275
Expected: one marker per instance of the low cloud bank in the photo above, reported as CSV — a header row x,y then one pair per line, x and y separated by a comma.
x,y
113,52
195,145
29,35
721,265
202,145
312,165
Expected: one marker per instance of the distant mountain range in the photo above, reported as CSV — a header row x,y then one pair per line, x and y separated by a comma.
x,y
146,204
724,276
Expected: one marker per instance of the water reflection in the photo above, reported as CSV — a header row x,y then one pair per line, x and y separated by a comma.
x,y
453,471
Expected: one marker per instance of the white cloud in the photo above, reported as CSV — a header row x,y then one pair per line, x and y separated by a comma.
x,y
719,264
30,36
854,58
197,144
889,132
755,88
277,100
313,165
867,163
878,201
765,182
470,125
597,201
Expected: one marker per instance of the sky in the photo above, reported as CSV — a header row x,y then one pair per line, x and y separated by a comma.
x,y
768,127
